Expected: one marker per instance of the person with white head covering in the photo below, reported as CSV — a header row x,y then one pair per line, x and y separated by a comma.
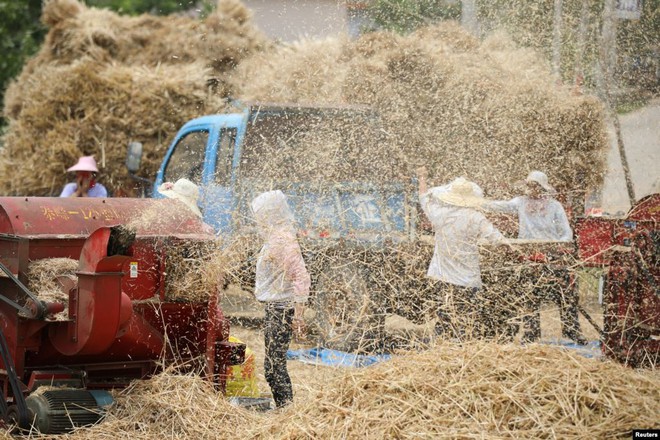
x,y
85,184
542,217
459,228
282,284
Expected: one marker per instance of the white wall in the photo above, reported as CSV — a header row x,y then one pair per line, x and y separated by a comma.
x,y
289,20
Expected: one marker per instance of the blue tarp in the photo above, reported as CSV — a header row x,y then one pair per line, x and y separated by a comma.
x,y
326,356
591,350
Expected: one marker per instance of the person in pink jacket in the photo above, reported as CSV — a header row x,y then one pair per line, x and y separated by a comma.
x,y
282,285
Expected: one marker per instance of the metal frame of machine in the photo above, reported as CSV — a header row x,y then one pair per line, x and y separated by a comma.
x,y
118,320
629,250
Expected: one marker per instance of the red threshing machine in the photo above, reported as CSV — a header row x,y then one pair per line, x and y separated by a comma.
x,y
629,250
120,324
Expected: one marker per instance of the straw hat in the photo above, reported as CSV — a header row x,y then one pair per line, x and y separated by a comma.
x,y
184,190
462,193
85,163
540,178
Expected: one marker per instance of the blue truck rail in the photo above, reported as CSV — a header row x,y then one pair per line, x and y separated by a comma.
x,y
208,150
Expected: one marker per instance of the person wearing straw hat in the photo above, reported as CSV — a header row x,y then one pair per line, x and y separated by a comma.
x,y
282,284
85,184
542,217
184,191
187,193
459,228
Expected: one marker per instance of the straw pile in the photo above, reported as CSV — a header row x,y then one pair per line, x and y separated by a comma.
x,y
476,390
479,390
194,265
447,100
487,110
101,80
42,280
170,406
194,270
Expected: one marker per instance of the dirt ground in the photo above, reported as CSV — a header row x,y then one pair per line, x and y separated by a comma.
x,y
246,314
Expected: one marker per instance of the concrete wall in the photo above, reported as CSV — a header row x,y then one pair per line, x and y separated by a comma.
x,y
290,20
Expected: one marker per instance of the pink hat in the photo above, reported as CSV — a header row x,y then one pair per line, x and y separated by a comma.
x,y
85,163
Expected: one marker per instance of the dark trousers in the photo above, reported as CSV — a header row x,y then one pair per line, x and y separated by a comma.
x,y
277,337
559,287
460,312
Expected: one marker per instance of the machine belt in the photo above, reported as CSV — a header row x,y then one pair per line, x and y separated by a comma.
x,y
40,309
19,399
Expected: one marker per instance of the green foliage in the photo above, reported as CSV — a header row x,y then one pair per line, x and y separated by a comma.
x,y
405,16
21,34
136,7
530,24
638,42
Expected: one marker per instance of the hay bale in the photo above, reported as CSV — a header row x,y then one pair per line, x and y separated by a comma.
x,y
96,109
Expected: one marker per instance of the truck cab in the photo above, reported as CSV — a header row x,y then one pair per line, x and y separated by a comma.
x,y
323,158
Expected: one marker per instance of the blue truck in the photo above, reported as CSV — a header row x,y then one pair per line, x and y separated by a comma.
x,y
357,216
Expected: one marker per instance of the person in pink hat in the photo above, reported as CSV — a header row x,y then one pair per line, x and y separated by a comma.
x,y
85,184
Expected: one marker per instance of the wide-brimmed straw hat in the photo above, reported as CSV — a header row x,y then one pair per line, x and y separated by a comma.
x,y
541,178
463,193
184,190
85,163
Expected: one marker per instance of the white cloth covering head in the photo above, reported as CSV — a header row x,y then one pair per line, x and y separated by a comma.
x,y
461,192
271,210
541,178
184,190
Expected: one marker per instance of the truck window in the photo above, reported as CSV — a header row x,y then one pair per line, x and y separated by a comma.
x,y
303,146
224,158
187,159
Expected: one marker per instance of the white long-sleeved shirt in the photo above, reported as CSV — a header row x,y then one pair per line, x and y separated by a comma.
x,y
281,273
458,232
538,219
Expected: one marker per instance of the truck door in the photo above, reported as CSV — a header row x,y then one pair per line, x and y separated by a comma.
x,y
218,202
187,158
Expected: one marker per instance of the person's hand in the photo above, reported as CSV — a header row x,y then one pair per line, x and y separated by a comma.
x,y
422,172
83,182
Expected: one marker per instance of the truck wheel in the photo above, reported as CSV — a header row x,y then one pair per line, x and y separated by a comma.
x,y
345,313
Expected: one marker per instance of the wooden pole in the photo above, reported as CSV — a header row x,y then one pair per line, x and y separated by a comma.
x,y
469,19
556,39
581,44
608,66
